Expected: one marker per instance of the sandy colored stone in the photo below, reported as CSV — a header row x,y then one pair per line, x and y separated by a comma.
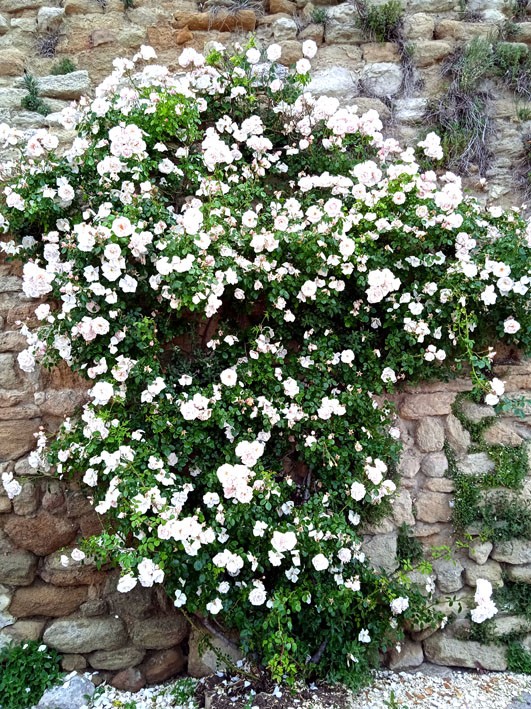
x,y
44,599
479,551
12,341
439,485
290,8
430,435
454,29
501,434
456,435
433,507
221,21
291,52
519,573
380,52
11,62
418,406
403,508
101,36
427,52
312,31
419,25
23,630
42,534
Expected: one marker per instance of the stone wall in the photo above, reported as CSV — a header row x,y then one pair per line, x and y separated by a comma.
x,y
76,608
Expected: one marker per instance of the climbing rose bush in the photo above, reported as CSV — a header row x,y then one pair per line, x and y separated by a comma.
x,y
242,272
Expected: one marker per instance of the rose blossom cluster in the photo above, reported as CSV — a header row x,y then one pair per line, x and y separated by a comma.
x,y
235,304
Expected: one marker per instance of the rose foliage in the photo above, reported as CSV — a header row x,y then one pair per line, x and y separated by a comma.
x,y
242,271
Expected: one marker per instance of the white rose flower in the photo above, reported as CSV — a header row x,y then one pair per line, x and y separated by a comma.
x,y
320,562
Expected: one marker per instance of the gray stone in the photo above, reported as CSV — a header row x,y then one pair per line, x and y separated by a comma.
x,y
71,695
17,568
334,81
116,659
159,632
449,574
476,464
439,485
410,655
430,435
445,650
381,551
519,573
50,18
479,551
410,110
403,508
514,551
65,86
82,635
510,625
477,412
4,25
382,79
27,501
433,507
409,464
457,436
490,570
284,28
341,25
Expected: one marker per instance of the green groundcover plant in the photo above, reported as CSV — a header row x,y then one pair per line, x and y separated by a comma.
x,y
26,671
242,271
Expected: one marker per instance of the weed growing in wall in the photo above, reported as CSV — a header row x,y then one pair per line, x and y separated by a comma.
x,y
32,101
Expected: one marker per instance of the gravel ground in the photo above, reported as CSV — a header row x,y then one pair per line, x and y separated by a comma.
x,y
431,687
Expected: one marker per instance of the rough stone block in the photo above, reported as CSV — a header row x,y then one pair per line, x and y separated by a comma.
x,y
84,635
490,570
17,438
519,573
445,650
163,664
449,574
116,659
433,507
418,406
479,551
42,534
159,632
434,465
77,573
419,25
430,435
515,551
476,464
382,79
410,655
11,62
44,599
381,551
